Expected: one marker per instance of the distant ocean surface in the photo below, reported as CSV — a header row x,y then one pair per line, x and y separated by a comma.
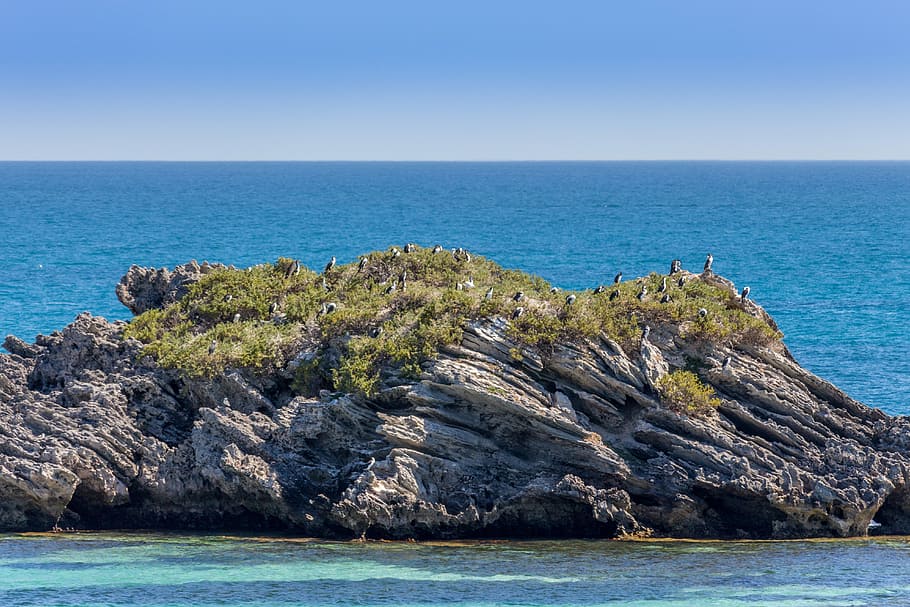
x,y
822,244
202,571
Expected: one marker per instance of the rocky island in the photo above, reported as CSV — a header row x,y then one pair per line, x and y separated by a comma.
x,y
424,393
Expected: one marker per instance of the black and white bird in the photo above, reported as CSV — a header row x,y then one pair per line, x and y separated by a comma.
x,y
745,294
617,279
325,285
517,312
681,282
273,308
708,261
437,249
328,308
330,265
614,295
642,293
675,266
228,298
518,296
702,313
554,290
395,252
646,332
237,317
403,279
293,269
663,285
726,365
410,247
665,298
469,283
600,289
489,294
375,332
212,347
362,264
570,299
391,288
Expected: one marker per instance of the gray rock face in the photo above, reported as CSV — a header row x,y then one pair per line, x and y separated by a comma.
x,y
571,443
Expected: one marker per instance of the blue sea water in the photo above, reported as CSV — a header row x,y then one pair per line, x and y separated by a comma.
x,y
202,571
822,244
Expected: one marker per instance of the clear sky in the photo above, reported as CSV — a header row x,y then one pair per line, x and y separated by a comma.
x,y
426,80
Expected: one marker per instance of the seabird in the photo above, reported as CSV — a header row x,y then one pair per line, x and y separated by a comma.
x,y
325,285
459,286
745,294
675,266
395,252
681,282
600,289
329,265
228,298
708,261
554,289
328,308
702,313
293,269
665,298
726,364
469,283
409,247
212,346
467,257
646,332
237,317
391,288
570,299
642,293
273,308
362,264
614,295
517,312
617,279
375,332
489,294
437,249
518,296
663,285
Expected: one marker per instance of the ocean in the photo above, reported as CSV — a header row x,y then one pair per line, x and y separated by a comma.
x,y
821,244
94,570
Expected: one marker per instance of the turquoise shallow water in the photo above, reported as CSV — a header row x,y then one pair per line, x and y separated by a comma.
x,y
177,571
823,245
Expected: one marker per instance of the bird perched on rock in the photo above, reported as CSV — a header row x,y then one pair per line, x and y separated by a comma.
x,y
330,265
617,279
570,299
675,266
518,296
489,294
646,332
708,261
745,294
517,312
726,365
702,313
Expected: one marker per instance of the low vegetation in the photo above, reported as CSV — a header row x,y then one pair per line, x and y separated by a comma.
x,y
396,311
683,392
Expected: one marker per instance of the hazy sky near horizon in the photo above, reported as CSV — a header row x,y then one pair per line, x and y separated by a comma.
x,y
418,80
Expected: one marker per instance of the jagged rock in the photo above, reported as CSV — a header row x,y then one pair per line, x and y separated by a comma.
x,y
571,442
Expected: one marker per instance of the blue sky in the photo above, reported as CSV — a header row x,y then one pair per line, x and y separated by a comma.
x,y
693,79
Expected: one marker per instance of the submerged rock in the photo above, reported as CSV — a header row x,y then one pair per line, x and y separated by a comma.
x,y
489,438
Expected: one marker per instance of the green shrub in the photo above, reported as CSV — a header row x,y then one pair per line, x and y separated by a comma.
x,y
683,392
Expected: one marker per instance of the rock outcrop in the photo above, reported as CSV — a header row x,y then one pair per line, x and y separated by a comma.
x,y
573,441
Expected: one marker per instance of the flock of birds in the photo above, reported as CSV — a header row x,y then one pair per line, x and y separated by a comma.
x,y
460,254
